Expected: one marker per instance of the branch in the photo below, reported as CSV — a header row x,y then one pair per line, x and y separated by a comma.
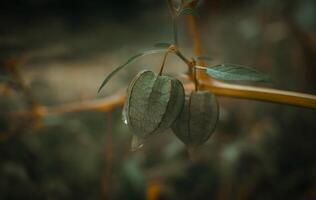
x,y
206,83
259,93
196,39
217,87
247,92
101,105
173,13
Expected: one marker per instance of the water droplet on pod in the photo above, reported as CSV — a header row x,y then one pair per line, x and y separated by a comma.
x,y
124,114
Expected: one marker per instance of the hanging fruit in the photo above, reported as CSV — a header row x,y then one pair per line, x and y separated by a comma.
x,y
198,118
152,104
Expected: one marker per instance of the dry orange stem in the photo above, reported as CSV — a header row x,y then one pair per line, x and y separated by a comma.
x,y
217,87
195,35
102,105
197,44
262,94
247,92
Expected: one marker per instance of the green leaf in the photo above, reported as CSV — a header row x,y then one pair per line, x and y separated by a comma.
x,y
162,45
129,61
188,11
232,72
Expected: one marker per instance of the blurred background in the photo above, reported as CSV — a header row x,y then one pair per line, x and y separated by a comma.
x,y
57,52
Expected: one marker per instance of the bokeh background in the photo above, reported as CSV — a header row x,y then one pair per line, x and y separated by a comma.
x,y
57,52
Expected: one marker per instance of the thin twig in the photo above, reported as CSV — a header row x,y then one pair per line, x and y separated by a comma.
x,y
196,84
163,62
175,31
101,105
174,13
197,44
171,8
175,50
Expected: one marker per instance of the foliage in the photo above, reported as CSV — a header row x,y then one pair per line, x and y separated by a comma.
x,y
258,151
232,72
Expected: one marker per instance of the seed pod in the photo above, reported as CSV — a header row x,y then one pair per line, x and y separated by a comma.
x,y
153,103
198,118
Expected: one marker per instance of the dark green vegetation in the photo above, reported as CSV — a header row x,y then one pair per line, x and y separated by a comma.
x,y
258,151
198,118
152,104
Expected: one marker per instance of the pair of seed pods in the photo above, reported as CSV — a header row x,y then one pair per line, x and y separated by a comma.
x,y
155,103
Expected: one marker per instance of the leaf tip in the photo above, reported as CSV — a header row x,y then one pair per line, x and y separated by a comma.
x,y
99,90
101,86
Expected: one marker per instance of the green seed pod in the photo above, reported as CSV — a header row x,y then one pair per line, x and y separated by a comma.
x,y
153,103
198,118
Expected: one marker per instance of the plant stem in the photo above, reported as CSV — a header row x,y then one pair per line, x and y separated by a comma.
x,y
174,49
191,65
195,35
101,105
196,83
175,31
221,89
171,8
247,92
259,93
196,39
163,63
217,87
173,13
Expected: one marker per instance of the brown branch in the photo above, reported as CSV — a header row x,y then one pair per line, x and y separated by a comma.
x,y
259,93
196,40
217,87
163,63
246,92
101,105
195,35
